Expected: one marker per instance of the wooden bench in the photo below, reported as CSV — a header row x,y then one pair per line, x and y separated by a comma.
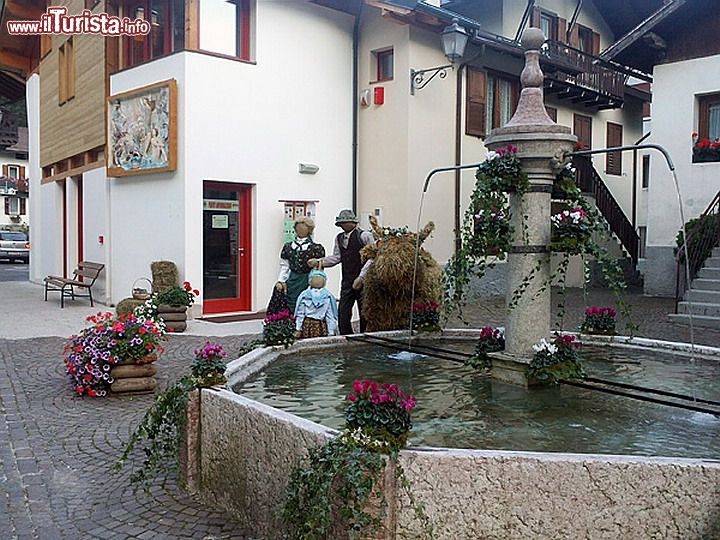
x,y
84,277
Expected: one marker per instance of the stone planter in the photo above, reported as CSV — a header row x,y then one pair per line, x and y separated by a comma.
x,y
175,317
131,377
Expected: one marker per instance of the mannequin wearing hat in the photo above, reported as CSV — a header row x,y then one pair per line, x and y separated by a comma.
x,y
294,269
316,314
347,252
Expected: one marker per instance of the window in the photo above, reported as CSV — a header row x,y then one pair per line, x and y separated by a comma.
x,y
384,62
225,27
45,44
642,233
549,25
585,39
613,160
709,117
66,71
15,206
552,113
13,171
582,128
646,172
490,103
167,29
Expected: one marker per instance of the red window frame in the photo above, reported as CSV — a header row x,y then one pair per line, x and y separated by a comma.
x,y
242,30
379,56
147,53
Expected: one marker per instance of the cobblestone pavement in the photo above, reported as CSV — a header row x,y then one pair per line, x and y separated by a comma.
x,y
649,313
57,451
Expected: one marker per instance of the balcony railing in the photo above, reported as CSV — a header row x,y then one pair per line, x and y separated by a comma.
x,y
572,66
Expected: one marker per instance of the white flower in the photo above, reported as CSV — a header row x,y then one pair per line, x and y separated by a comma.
x,y
544,346
491,155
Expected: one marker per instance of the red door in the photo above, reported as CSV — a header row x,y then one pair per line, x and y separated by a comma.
x,y
227,247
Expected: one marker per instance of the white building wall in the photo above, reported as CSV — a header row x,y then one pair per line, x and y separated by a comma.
x,y
147,212
675,114
96,223
9,159
248,123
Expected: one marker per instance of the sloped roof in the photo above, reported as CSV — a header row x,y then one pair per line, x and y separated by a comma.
x,y
21,146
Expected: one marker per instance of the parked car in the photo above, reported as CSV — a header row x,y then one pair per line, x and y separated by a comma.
x,y
14,245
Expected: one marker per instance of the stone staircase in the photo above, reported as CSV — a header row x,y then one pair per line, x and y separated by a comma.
x,y
703,295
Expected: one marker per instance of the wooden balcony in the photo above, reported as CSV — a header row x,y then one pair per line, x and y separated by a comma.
x,y
580,77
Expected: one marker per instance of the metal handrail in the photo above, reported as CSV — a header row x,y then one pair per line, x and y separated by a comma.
x,y
697,251
590,181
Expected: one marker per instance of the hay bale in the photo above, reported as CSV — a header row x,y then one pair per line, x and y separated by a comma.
x,y
164,276
387,292
127,305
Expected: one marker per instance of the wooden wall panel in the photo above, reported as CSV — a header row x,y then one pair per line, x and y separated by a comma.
x,y
79,124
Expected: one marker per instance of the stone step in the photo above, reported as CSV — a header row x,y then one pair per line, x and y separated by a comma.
x,y
709,297
700,308
712,262
709,273
706,284
716,252
698,320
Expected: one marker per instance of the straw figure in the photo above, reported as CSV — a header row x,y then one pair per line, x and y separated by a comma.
x,y
387,293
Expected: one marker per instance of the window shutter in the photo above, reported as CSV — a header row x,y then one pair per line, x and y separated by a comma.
x,y
475,121
7,206
583,129
23,208
595,44
22,172
613,163
535,17
5,170
575,36
562,30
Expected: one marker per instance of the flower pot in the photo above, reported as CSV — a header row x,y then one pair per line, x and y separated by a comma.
x,y
134,376
174,317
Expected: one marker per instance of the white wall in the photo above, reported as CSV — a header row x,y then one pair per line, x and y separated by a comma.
x,y
674,120
146,212
247,123
96,196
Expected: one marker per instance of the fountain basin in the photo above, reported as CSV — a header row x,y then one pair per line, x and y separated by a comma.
x,y
247,450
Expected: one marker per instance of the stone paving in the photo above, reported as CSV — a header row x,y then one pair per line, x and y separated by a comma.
x,y
57,449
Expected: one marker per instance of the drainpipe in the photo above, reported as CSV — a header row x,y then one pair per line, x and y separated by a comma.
x,y
634,188
355,105
458,143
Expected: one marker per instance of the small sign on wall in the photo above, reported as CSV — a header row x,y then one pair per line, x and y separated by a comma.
x,y
219,221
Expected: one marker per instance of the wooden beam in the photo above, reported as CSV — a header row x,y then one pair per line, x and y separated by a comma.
x,y
14,61
23,12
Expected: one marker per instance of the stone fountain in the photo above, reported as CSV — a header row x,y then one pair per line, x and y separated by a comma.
x,y
542,144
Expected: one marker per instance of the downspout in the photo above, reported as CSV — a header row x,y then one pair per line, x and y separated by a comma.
x,y
634,188
355,105
458,143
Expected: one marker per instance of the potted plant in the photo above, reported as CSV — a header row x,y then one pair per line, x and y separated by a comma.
x,y
556,360
426,317
113,355
279,329
599,320
172,306
705,150
491,340
209,367
571,231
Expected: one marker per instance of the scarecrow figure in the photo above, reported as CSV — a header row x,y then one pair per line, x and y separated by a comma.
x,y
294,257
387,294
347,251
316,314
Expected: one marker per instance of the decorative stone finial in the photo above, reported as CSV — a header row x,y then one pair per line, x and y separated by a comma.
x,y
531,106
532,39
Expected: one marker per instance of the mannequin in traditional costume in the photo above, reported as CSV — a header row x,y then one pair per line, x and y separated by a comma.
x,y
294,257
316,314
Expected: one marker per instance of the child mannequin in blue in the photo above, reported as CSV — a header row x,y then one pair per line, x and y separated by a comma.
x,y
316,313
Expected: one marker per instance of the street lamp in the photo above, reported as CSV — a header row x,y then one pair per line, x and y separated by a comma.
x,y
454,39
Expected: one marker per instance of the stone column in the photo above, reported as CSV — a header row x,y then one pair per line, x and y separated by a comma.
x,y
540,144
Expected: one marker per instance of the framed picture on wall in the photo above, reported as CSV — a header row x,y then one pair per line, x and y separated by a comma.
x,y
142,130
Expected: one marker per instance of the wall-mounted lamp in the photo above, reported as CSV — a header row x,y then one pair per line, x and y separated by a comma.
x,y
307,168
454,39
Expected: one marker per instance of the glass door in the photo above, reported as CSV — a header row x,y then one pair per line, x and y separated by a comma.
x,y
227,250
